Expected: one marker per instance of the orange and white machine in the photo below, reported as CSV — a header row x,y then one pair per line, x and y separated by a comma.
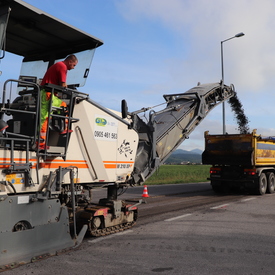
x,y
45,195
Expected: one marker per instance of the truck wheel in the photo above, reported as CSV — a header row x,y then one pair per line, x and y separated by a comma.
x,y
262,184
270,182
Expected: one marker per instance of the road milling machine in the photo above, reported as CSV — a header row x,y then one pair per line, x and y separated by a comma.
x,y
45,194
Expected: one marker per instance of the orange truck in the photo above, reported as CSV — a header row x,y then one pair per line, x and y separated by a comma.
x,y
245,161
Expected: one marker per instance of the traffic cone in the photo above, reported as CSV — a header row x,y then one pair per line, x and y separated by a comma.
x,y
145,192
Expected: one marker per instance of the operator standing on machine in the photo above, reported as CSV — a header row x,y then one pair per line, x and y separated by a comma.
x,y
57,75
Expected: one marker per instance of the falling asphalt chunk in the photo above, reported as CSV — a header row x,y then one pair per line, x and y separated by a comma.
x,y
241,118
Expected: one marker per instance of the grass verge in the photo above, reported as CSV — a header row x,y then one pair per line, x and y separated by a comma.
x,y
171,174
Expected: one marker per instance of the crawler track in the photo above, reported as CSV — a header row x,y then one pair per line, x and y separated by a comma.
x,y
112,229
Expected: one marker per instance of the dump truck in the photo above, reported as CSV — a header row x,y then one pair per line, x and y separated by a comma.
x,y
45,193
242,161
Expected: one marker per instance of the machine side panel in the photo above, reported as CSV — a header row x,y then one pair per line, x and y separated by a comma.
x,y
25,223
106,143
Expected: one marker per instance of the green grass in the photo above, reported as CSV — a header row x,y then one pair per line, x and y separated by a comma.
x,y
171,174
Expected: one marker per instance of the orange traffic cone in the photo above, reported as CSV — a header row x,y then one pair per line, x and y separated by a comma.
x,y
145,192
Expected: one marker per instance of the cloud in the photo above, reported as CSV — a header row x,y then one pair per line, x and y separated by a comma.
x,y
199,26
203,24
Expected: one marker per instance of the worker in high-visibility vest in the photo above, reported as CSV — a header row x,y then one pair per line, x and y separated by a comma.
x,y
57,75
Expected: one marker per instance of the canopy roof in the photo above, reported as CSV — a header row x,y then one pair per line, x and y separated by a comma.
x,y
37,35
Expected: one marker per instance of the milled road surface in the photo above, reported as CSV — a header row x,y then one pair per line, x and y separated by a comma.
x,y
169,198
183,229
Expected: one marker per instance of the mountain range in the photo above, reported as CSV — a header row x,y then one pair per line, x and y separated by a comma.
x,y
181,156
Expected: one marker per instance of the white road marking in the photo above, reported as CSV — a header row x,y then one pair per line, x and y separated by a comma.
x,y
249,199
178,217
215,207
110,236
219,206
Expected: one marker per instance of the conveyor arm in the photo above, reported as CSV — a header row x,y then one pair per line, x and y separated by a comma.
x,y
168,128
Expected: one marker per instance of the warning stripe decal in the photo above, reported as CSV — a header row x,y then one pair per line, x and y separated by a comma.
x,y
131,162
57,165
47,164
77,163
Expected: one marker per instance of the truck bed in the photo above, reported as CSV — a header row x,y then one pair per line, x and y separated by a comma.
x,y
239,149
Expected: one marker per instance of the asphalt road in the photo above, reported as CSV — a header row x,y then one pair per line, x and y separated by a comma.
x,y
188,231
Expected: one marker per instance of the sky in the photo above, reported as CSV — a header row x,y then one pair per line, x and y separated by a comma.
x,y
157,47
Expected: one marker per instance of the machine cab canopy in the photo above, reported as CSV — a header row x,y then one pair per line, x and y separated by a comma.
x,y
42,40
